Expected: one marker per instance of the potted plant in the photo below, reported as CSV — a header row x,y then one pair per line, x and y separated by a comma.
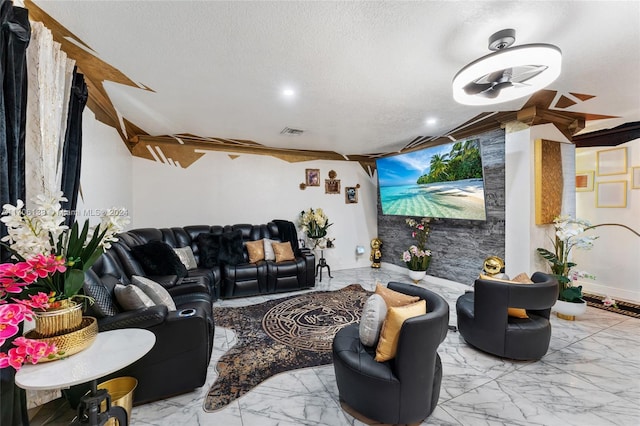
x,y
46,271
418,257
569,234
314,225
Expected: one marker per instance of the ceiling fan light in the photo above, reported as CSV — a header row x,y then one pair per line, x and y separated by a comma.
x,y
529,54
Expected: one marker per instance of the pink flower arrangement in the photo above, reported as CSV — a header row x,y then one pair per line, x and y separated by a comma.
x,y
50,258
418,257
609,302
14,277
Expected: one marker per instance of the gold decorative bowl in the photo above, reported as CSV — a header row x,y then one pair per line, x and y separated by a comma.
x,y
69,343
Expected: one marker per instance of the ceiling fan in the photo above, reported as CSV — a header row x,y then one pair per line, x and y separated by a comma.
x,y
490,85
508,73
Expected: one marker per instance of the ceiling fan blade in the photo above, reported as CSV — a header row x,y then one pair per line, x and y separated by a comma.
x,y
475,88
527,72
495,90
491,93
498,76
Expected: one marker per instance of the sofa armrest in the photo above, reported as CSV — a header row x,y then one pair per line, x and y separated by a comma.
x,y
310,266
166,281
140,318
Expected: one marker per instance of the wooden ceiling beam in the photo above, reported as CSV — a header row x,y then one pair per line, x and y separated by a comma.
x,y
290,155
96,72
609,137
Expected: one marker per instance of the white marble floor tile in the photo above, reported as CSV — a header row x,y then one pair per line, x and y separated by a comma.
x,y
589,377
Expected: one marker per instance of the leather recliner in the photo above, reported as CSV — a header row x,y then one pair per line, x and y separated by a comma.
x,y
405,389
179,359
483,321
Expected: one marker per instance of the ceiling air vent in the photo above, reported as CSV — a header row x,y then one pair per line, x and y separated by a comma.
x,y
291,131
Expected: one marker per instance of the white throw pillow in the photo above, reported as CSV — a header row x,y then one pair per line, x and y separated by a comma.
x,y
131,297
373,315
269,254
154,291
186,257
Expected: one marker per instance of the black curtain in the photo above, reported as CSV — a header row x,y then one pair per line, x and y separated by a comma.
x,y
72,151
14,38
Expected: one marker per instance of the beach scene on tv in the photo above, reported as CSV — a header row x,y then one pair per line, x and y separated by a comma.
x,y
444,181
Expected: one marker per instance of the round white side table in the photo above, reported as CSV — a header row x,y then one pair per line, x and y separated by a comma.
x,y
111,351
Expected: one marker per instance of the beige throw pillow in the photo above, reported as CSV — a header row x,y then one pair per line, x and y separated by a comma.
x,y
396,316
394,298
283,251
255,250
521,278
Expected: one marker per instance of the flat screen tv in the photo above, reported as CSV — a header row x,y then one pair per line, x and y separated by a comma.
x,y
444,181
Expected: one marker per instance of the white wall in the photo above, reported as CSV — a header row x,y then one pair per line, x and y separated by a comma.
x,y
218,190
615,258
105,178
519,204
522,235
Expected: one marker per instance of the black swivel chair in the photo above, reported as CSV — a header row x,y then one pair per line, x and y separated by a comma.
x,y
483,321
405,389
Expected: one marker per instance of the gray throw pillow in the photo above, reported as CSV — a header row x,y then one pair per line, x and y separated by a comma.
x,y
373,315
269,254
131,297
158,294
186,257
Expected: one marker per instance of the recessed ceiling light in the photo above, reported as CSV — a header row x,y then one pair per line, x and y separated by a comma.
x,y
288,93
431,121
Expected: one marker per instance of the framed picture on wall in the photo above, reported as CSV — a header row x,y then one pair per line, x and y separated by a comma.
x,y
635,178
332,186
611,194
611,161
312,177
584,181
350,194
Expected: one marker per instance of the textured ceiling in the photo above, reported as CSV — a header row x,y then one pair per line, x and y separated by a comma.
x,y
367,74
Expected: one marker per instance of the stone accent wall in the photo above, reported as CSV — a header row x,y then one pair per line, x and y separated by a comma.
x,y
459,247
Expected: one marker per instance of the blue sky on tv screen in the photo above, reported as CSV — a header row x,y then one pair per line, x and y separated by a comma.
x,y
405,169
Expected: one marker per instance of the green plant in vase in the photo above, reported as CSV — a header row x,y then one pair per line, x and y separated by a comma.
x,y
314,224
418,257
569,234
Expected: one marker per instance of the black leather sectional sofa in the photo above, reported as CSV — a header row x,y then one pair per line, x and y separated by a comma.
x,y
184,337
230,280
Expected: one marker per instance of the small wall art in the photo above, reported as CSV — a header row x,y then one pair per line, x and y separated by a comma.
x,y
548,180
611,194
611,161
584,181
351,194
312,177
332,185
635,178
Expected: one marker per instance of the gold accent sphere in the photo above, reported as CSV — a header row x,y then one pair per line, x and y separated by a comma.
x,y
493,265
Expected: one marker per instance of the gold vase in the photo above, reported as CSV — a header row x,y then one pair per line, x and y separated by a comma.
x,y
70,343
57,321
